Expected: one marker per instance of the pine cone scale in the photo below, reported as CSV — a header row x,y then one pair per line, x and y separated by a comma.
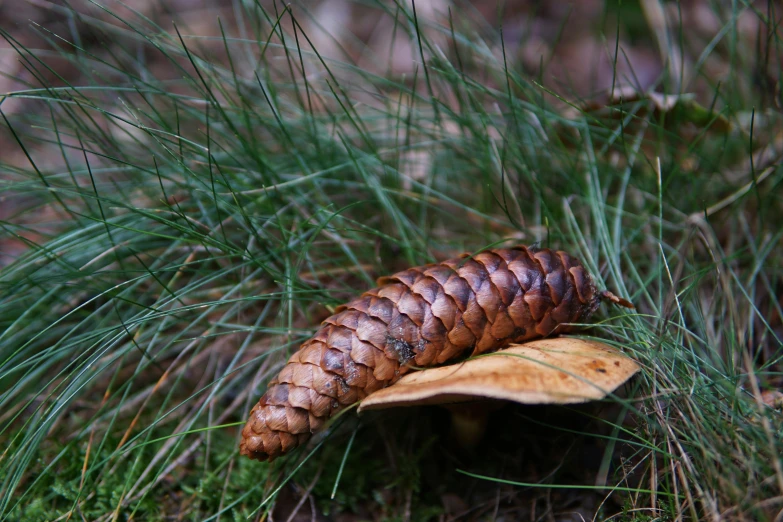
x,y
460,337
459,291
433,330
412,306
373,331
505,283
427,287
363,353
474,319
445,309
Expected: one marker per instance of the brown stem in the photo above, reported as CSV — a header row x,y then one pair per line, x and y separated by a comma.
x,y
606,295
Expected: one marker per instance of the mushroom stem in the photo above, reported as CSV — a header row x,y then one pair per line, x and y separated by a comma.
x,y
469,423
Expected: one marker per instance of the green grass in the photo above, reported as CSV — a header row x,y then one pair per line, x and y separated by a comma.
x,y
187,225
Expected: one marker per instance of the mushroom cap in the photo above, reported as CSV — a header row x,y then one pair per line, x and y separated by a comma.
x,y
562,370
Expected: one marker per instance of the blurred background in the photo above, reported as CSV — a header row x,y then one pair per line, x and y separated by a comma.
x,y
582,54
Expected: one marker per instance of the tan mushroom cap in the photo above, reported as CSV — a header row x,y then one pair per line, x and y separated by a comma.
x,y
549,371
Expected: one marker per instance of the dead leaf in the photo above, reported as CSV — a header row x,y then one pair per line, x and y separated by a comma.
x,y
562,370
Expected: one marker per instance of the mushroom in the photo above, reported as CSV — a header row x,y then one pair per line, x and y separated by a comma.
x,y
561,370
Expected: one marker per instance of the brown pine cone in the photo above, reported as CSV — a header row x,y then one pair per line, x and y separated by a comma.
x,y
422,316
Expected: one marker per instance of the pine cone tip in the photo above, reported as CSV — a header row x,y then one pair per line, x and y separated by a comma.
x,y
245,450
606,295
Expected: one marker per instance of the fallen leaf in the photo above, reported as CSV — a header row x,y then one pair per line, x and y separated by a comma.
x,y
561,370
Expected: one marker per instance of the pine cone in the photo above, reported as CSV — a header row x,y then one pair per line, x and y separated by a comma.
x,y
422,316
